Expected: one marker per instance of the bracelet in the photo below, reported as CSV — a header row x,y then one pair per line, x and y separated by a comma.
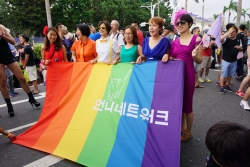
x,y
7,134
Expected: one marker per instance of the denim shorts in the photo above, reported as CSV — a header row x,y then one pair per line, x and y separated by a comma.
x,y
228,68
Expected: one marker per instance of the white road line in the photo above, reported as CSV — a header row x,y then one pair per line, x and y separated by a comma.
x,y
45,161
22,101
21,127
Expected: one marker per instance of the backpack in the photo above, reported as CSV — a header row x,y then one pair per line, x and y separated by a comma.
x,y
244,41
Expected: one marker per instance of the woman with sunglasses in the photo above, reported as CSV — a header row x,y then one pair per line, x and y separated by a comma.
x,y
84,49
155,47
188,49
107,49
52,49
131,50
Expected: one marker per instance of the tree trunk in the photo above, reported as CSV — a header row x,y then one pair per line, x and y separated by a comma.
x,y
47,5
239,12
202,23
186,5
229,14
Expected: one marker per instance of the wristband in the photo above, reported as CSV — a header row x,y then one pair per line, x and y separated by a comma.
x,y
8,135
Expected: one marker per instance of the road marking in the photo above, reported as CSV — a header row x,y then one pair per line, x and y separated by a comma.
x,y
45,161
21,127
42,95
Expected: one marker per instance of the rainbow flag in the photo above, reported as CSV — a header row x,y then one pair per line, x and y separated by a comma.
x,y
102,115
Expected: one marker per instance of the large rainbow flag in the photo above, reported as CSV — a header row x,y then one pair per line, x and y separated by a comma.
x,y
111,115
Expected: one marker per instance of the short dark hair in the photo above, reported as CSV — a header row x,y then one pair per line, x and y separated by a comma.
x,y
194,29
188,19
84,28
229,144
135,37
136,22
229,25
25,37
58,25
171,28
242,27
107,25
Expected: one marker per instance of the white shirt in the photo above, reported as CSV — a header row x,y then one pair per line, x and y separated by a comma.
x,y
119,39
103,49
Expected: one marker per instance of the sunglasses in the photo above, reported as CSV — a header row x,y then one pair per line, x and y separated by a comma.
x,y
103,28
181,22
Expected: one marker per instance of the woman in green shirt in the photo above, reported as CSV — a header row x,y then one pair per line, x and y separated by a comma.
x,y
131,50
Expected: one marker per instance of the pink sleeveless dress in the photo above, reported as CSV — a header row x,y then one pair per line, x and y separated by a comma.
x,y
184,52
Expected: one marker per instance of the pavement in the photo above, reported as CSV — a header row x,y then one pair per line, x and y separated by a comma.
x,y
209,105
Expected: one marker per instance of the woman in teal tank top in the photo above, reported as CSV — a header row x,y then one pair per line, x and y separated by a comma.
x,y
131,50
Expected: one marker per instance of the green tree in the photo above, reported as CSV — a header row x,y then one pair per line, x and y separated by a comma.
x,y
244,13
232,6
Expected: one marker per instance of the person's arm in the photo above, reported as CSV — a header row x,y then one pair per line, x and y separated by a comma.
x,y
222,38
64,54
248,54
197,52
165,57
7,134
42,53
6,35
117,59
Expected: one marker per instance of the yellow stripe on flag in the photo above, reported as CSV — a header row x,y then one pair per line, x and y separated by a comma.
x,y
81,123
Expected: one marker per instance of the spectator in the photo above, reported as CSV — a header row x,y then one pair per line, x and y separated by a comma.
x,y
231,47
114,34
66,42
206,60
165,31
243,39
84,50
107,48
172,34
136,24
229,145
93,34
196,31
245,81
29,63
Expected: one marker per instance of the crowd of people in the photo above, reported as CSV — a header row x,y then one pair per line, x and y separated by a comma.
x,y
111,46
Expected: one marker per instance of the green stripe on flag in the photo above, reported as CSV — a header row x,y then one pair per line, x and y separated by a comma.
x,y
103,132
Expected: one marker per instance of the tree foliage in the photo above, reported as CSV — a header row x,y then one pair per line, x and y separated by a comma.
x,y
29,17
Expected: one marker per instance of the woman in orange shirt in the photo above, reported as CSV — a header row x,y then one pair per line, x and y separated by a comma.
x,y
84,50
52,49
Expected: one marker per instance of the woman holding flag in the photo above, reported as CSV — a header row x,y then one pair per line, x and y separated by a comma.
x,y
189,49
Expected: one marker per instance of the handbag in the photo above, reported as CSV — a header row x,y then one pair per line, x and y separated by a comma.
x,y
25,74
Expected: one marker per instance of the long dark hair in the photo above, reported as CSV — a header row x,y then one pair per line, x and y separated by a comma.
x,y
58,42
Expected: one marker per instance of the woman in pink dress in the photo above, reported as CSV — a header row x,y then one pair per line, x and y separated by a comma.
x,y
186,48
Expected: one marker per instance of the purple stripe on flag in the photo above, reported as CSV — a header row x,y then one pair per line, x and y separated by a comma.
x,y
162,146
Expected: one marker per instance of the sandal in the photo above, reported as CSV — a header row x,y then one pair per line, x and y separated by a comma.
x,y
186,136
198,86
33,92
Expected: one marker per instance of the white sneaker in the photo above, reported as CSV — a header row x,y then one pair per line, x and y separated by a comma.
x,y
244,105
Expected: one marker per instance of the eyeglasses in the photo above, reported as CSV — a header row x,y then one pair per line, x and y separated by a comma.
x,y
128,34
102,28
181,22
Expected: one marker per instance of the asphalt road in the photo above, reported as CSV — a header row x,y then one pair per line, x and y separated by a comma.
x,y
210,107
